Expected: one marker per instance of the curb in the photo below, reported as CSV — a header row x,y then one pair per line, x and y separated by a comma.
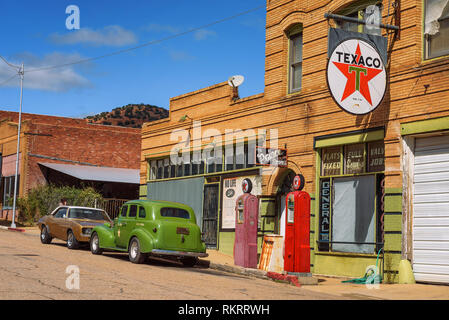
x,y
12,229
261,274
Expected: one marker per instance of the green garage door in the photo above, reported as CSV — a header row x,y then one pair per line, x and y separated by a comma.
x,y
186,191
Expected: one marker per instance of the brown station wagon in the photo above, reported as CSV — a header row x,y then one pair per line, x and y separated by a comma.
x,y
71,224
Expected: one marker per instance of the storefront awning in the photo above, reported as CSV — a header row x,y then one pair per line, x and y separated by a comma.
x,y
91,173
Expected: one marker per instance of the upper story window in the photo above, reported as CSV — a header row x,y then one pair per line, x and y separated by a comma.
x,y
295,58
369,11
436,29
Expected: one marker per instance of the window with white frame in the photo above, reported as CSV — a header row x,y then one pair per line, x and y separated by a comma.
x,y
436,28
368,11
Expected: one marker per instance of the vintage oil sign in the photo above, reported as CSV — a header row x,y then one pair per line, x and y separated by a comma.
x,y
356,76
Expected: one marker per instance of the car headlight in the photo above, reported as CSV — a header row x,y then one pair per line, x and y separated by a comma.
x,y
87,231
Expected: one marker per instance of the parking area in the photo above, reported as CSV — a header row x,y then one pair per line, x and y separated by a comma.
x,y
31,270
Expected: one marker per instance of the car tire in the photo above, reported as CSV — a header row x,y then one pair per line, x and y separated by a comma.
x,y
189,261
95,244
45,236
135,256
72,243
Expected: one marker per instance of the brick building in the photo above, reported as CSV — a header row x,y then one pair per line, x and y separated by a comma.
x,y
66,151
402,146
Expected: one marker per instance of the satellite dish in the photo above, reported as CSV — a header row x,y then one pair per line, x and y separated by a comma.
x,y
236,81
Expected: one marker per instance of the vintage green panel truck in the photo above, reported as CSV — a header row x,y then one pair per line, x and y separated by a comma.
x,y
159,228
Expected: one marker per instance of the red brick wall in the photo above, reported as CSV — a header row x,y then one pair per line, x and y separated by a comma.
x,y
75,140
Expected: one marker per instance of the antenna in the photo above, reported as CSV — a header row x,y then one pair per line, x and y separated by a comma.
x,y
236,81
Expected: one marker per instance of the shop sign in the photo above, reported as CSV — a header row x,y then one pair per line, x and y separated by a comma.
x,y
356,76
271,157
231,191
331,161
355,158
376,156
325,194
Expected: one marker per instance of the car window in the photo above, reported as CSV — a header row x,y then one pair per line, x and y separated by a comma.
x,y
80,213
142,213
175,213
61,213
124,210
132,211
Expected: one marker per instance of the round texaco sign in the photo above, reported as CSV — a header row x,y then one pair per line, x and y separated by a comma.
x,y
298,182
356,76
247,186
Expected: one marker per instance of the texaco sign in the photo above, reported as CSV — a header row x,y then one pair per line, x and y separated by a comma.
x,y
356,76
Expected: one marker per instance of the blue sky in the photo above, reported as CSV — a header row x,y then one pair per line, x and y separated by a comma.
x,y
34,32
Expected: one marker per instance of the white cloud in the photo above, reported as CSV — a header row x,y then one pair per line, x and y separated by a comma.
x,y
162,28
55,80
203,34
114,36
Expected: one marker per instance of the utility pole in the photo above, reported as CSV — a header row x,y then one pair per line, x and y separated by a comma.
x,y
21,74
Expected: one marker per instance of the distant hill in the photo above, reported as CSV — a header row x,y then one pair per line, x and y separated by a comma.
x,y
131,115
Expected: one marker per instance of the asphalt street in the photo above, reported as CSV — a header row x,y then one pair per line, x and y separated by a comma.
x,y
32,270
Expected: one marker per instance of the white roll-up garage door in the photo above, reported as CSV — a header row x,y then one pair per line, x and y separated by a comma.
x,y
431,210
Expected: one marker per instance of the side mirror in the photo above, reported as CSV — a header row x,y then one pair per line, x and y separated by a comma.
x,y
107,224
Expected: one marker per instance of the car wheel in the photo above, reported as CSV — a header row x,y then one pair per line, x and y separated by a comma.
x,y
95,244
135,256
189,262
72,243
45,236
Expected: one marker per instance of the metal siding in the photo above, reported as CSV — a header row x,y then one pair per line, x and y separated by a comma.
x,y
186,191
92,173
431,210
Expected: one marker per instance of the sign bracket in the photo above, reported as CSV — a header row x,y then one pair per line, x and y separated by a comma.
x,y
338,17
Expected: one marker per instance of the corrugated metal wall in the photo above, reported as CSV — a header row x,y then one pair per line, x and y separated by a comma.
x,y
187,191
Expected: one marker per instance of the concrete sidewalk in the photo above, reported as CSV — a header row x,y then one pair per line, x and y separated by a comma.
x,y
334,285
326,284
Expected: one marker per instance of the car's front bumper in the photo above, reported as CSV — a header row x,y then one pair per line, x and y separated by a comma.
x,y
179,253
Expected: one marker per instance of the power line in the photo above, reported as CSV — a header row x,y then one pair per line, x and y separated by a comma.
x,y
147,43
9,64
6,81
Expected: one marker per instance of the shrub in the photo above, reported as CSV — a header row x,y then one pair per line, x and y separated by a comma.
x,y
44,199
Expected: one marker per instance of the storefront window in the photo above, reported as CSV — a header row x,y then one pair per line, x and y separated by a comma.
x,y
235,157
349,219
160,169
354,159
8,190
167,168
331,161
240,156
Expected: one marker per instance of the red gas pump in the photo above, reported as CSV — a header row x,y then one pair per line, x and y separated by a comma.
x,y
246,221
297,229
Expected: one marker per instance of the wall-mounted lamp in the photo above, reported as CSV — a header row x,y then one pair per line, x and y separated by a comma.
x,y
184,118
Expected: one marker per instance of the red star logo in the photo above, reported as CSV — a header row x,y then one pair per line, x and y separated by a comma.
x,y
358,77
